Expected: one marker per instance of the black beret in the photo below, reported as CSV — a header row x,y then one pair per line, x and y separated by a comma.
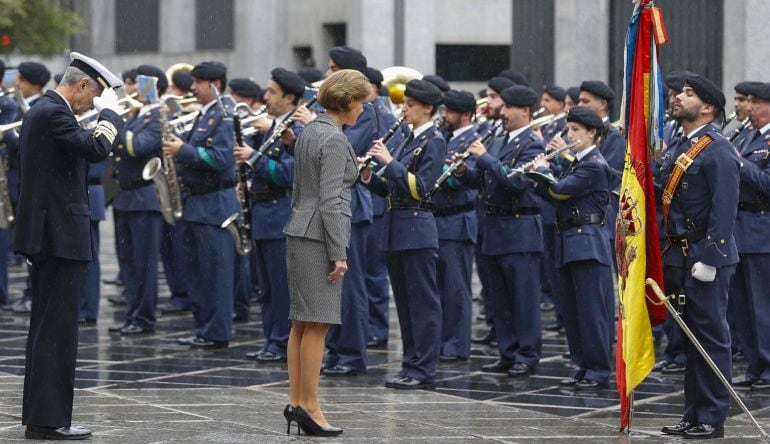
x,y
348,58
35,73
760,90
210,71
154,71
675,80
438,81
482,93
423,91
519,95
310,75
291,82
459,101
129,74
585,117
555,91
574,94
598,88
384,91
374,75
182,79
497,84
245,88
746,86
707,90
514,77
57,78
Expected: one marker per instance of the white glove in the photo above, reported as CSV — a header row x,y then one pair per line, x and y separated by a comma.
x,y
108,100
703,272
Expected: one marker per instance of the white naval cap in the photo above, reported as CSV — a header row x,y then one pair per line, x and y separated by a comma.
x,y
95,70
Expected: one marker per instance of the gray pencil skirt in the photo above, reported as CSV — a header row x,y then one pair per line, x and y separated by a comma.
x,y
312,297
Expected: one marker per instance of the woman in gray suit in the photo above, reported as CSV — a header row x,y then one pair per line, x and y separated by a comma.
x,y
318,233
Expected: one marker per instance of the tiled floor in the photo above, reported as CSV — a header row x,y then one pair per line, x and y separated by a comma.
x,y
151,390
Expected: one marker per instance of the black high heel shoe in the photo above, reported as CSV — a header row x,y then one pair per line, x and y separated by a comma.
x,y
290,415
311,427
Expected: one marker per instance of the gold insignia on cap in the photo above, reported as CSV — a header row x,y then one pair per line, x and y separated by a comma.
x,y
106,129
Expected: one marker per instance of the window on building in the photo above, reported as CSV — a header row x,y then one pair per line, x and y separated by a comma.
x,y
303,57
335,34
137,26
214,24
471,63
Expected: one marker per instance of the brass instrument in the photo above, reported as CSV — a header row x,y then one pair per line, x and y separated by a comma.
x,y
129,102
538,113
13,126
542,121
482,107
529,166
6,209
163,174
176,67
395,79
23,105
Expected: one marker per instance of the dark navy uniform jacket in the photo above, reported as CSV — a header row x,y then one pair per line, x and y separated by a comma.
x,y
410,175
514,233
613,149
139,142
96,190
273,173
385,119
554,129
11,112
361,136
707,197
453,193
584,189
206,162
53,214
753,221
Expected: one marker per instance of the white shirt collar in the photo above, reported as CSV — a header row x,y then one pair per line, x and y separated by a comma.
x,y
147,108
65,100
515,133
764,129
422,128
31,98
605,119
459,131
585,152
695,131
207,107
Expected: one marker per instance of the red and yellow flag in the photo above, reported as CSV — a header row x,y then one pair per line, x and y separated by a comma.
x,y
637,246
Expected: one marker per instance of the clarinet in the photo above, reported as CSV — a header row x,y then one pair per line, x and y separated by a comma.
x,y
244,240
385,139
275,136
744,123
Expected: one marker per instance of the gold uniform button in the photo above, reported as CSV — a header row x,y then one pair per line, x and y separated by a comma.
x,y
722,241
709,237
117,158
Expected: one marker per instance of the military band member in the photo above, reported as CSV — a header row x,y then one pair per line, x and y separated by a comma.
x,y
181,83
129,81
409,234
52,231
702,255
552,100
137,210
457,233
247,91
573,98
207,170
346,342
270,209
494,106
9,111
742,108
514,76
748,287
89,298
581,198
513,239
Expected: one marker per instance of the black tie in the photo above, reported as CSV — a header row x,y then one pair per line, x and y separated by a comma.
x,y
449,136
757,134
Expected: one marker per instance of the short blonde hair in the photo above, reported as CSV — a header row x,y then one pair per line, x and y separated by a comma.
x,y
342,88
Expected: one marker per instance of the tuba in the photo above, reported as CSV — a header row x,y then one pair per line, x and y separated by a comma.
x,y
395,79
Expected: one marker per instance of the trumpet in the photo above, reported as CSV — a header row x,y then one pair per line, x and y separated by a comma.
x,y
241,232
13,126
385,139
542,121
529,166
276,135
129,101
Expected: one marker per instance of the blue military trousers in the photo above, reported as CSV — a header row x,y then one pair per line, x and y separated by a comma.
x,y
455,268
750,298
269,264
140,233
377,284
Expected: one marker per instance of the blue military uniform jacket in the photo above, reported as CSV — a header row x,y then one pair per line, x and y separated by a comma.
x,y
613,149
53,215
11,112
273,174
361,137
554,128
707,197
96,190
753,219
461,226
583,190
416,165
206,163
385,119
513,232
139,142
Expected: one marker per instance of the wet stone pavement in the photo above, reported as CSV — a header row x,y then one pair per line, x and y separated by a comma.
x,y
151,390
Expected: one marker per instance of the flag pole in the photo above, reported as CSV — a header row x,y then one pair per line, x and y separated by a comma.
x,y
704,354
630,412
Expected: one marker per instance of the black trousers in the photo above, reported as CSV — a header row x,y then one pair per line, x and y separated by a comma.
x,y
52,344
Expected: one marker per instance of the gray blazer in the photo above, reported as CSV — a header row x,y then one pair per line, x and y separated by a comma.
x,y
324,173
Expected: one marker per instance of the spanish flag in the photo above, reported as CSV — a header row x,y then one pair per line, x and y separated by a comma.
x,y
636,245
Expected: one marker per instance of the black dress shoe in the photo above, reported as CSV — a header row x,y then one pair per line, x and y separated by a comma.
x,y
119,300
62,433
678,429
376,342
268,357
569,381
206,343
254,354
340,370
409,383
673,368
497,367
704,431
443,358
169,308
660,365
117,328
761,384
113,281
389,383
311,427
87,322
131,330
590,384
489,338
743,382
520,369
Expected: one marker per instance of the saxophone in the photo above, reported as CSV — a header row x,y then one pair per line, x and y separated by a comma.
x,y
163,173
6,210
